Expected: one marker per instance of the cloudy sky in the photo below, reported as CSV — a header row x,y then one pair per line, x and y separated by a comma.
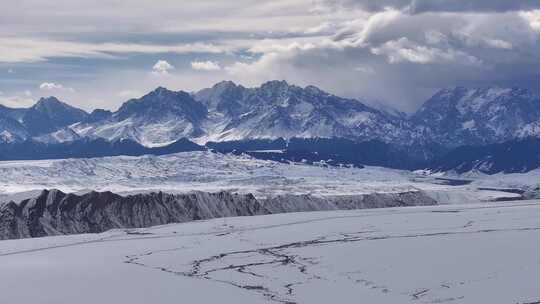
x,y
396,52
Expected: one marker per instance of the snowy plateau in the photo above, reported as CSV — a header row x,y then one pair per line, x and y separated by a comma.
x,y
476,244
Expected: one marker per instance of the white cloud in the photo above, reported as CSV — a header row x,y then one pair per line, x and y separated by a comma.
x,y
172,16
162,67
205,66
533,18
404,50
51,86
359,31
129,94
435,37
471,39
498,44
325,27
259,70
16,50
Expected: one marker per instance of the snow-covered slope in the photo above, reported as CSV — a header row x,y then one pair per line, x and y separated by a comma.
x,y
442,254
11,130
461,116
156,119
227,112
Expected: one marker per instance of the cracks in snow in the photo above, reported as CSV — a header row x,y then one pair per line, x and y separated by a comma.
x,y
271,256
258,269
469,224
420,294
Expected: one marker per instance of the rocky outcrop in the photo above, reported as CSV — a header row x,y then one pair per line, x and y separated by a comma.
x,y
56,213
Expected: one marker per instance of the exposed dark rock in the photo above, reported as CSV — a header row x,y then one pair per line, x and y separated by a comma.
x,y
56,213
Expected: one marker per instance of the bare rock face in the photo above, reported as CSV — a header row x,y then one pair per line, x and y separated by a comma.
x,y
56,213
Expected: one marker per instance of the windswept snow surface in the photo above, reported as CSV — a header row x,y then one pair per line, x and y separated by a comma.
x,y
442,254
212,172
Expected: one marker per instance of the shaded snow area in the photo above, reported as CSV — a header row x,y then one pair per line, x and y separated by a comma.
x,y
439,254
212,172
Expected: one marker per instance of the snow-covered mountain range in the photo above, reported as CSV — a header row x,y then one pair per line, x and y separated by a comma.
x,y
232,112
276,109
228,112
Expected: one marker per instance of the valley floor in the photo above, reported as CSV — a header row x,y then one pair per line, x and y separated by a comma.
x,y
476,253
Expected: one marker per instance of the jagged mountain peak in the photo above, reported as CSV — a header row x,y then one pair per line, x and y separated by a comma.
x,y
223,97
311,89
44,101
221,88
158,118
52,104
49,115
275,84
161,91
223,85
277,90
228,111
159,99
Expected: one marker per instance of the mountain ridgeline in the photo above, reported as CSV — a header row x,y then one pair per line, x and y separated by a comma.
x,y
294,123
